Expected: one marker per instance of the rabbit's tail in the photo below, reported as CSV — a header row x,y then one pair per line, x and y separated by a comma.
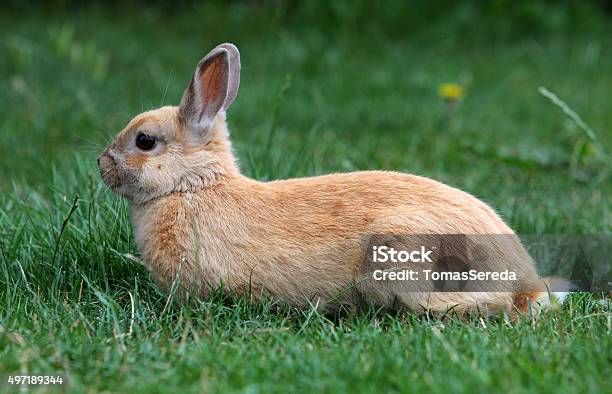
x,y
553,294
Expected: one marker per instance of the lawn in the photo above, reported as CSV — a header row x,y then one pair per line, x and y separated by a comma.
x,y
325,88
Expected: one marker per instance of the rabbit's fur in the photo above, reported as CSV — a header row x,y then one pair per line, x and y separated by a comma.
x,y
198,220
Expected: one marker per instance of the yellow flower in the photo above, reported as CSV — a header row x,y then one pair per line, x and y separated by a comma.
x,y
450,91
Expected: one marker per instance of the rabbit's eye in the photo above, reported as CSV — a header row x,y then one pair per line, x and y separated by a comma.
x,y
145,141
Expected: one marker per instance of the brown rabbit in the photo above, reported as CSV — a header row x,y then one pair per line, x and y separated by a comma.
x,y
199,221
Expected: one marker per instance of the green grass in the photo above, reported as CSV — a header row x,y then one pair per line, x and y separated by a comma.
x,y
328,88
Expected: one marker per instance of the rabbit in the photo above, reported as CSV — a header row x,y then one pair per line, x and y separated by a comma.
x,y
199,222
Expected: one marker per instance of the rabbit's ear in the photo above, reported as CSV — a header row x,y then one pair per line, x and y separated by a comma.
x,y
212,89
234,74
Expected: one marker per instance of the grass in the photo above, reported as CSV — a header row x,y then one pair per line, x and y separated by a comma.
x,y
324,89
